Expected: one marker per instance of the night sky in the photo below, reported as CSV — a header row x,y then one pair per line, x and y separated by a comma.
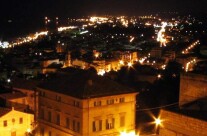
x,y
27,15
67,8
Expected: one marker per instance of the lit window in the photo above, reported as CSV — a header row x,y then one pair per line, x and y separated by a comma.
x,y
20,120
5,123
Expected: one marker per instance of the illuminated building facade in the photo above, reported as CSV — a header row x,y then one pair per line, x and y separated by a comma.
x,y
84,104
15,123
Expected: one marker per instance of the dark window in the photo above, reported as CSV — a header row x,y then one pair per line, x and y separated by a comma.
x,y
97,125
20,120
58,98
110,123
49,116
13,120
78,126
98,103
111,101
76,104
5,123
50,133
58,119
74,125
67,123
121,100
42,132
42,114
13,133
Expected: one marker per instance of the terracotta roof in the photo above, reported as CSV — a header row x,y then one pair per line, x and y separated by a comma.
x,y
84,84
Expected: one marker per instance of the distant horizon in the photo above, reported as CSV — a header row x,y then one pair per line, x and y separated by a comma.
x,y
23,25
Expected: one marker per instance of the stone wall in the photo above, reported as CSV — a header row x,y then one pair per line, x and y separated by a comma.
x,y
192,87
175,124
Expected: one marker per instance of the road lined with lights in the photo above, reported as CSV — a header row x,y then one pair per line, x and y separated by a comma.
x,y
190,47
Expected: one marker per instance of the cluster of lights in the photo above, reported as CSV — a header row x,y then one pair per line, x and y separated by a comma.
x,y
129,64
101,72
60,29
188,64
132,133
163,67
97,54
98,20
30,38
124,21
190,47
147,17
160,36
157,122
141,61
4,45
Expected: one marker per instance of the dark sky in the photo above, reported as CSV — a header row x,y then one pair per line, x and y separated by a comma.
x,y
31,8
28,15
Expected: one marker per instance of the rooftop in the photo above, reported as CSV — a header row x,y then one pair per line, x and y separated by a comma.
x,y
84,84
22,83
196,109
12,95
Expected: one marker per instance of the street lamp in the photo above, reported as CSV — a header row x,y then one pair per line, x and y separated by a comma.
x,y
157,122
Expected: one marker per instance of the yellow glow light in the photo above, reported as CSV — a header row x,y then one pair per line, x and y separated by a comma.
x,y
28,130
129,64
121,62
158,121
132,133
101,72
160,35
96,55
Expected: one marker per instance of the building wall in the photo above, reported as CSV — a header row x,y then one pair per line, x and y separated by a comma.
x,y
14,125
30,99
82,114
175,124
125,109
192,87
